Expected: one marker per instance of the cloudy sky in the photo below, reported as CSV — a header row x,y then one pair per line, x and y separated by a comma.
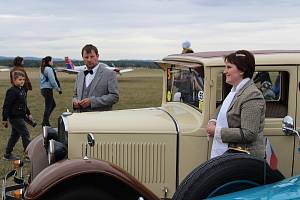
x,y
149,29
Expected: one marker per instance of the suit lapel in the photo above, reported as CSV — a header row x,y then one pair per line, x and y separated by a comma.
x,y
239,93
81,85
97,77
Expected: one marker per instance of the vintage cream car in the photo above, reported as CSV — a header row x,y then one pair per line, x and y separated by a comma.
x,y
151,150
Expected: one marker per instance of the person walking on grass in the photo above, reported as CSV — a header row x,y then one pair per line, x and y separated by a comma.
x,y
48,82
14,111
19,66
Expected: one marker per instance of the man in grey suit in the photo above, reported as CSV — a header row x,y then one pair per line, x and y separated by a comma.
x,y
96,89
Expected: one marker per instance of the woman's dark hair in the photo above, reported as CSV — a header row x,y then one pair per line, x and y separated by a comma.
x,y
244,61
89,48
45,62
18,61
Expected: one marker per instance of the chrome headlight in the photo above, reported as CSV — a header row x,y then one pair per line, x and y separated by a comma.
x,y
63,130
56,151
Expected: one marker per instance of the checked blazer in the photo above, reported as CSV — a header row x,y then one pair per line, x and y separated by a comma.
x,y
246,117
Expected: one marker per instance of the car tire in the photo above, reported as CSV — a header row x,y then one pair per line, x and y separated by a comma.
x,y
228,173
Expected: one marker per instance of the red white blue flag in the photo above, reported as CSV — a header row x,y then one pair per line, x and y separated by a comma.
x,y
271,157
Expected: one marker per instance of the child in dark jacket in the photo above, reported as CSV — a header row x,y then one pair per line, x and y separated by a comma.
x,y
15,110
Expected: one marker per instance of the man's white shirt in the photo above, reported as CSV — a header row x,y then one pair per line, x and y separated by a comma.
x,y
89,77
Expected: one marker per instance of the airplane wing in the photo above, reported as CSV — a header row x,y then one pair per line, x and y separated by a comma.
x,y
72,69
118,70
126,70
4,70
69,71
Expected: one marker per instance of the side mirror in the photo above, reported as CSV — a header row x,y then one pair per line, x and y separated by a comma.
x,y
288,125
288,121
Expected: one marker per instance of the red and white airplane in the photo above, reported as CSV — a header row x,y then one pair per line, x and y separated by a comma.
x,y
72,69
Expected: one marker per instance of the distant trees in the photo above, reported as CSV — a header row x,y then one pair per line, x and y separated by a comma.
x,y
117,63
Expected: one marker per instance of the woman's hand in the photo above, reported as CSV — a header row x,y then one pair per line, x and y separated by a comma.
x,y
211,126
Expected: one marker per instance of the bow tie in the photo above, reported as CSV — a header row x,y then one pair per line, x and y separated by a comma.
x,y
86,72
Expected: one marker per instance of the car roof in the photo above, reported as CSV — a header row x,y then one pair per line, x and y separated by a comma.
x,y
216,58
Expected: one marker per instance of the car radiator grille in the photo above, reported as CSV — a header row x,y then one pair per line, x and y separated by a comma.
x,y
145,161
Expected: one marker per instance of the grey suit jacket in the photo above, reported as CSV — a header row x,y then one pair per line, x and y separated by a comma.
x,y
246,117
103,90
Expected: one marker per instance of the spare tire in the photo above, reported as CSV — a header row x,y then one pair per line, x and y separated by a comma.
x,y
225,174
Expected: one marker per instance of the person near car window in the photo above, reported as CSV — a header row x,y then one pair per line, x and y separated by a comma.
x,y
240,119
14,112
48,82
96,89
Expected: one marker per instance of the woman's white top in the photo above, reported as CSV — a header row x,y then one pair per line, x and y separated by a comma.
x,y
218,147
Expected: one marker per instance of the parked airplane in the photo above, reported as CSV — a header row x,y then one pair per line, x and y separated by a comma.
x,y
72,69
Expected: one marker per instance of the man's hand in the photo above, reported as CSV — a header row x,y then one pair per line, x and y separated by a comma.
x,y
85,102
30,117
5,124
76,104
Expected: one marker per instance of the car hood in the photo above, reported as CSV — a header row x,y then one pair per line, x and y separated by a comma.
x,y
169,119
149,120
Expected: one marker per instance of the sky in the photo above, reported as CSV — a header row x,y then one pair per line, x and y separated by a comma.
x,y
149,29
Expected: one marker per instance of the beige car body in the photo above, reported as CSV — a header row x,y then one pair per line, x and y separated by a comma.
x,y
161,146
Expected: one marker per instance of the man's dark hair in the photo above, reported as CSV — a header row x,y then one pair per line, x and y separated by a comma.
x,y
18,61
244,61
89,48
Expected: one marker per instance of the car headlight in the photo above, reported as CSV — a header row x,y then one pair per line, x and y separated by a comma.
x,y
48,134
56,151
63,130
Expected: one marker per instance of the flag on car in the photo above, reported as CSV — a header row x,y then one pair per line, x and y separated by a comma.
x,y
270,155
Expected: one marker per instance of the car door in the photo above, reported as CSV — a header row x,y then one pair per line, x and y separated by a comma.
x,y
297,125
283,79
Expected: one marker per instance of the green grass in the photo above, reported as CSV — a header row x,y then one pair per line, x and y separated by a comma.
x,y
138,89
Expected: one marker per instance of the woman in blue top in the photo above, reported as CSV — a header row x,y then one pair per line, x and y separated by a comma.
x,y
48,82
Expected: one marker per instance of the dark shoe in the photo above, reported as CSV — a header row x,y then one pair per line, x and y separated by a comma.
x,y
9,157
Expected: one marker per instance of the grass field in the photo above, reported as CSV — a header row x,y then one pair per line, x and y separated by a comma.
x,y
138,89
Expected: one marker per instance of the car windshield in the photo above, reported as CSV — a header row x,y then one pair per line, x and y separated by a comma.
x,y
186,85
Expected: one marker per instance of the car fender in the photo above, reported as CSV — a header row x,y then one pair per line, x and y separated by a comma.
x,y
37,155
66,169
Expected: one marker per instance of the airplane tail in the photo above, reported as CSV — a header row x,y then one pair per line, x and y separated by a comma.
x,y
68,62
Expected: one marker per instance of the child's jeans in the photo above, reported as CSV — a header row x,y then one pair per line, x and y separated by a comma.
x,y
18,128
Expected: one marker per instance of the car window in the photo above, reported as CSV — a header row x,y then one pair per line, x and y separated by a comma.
x,y
274,86
269,84
185,85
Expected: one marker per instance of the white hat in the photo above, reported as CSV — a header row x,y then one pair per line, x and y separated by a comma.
x,y
186,44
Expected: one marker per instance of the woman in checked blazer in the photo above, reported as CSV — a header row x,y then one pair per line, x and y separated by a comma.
x,y
240,119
